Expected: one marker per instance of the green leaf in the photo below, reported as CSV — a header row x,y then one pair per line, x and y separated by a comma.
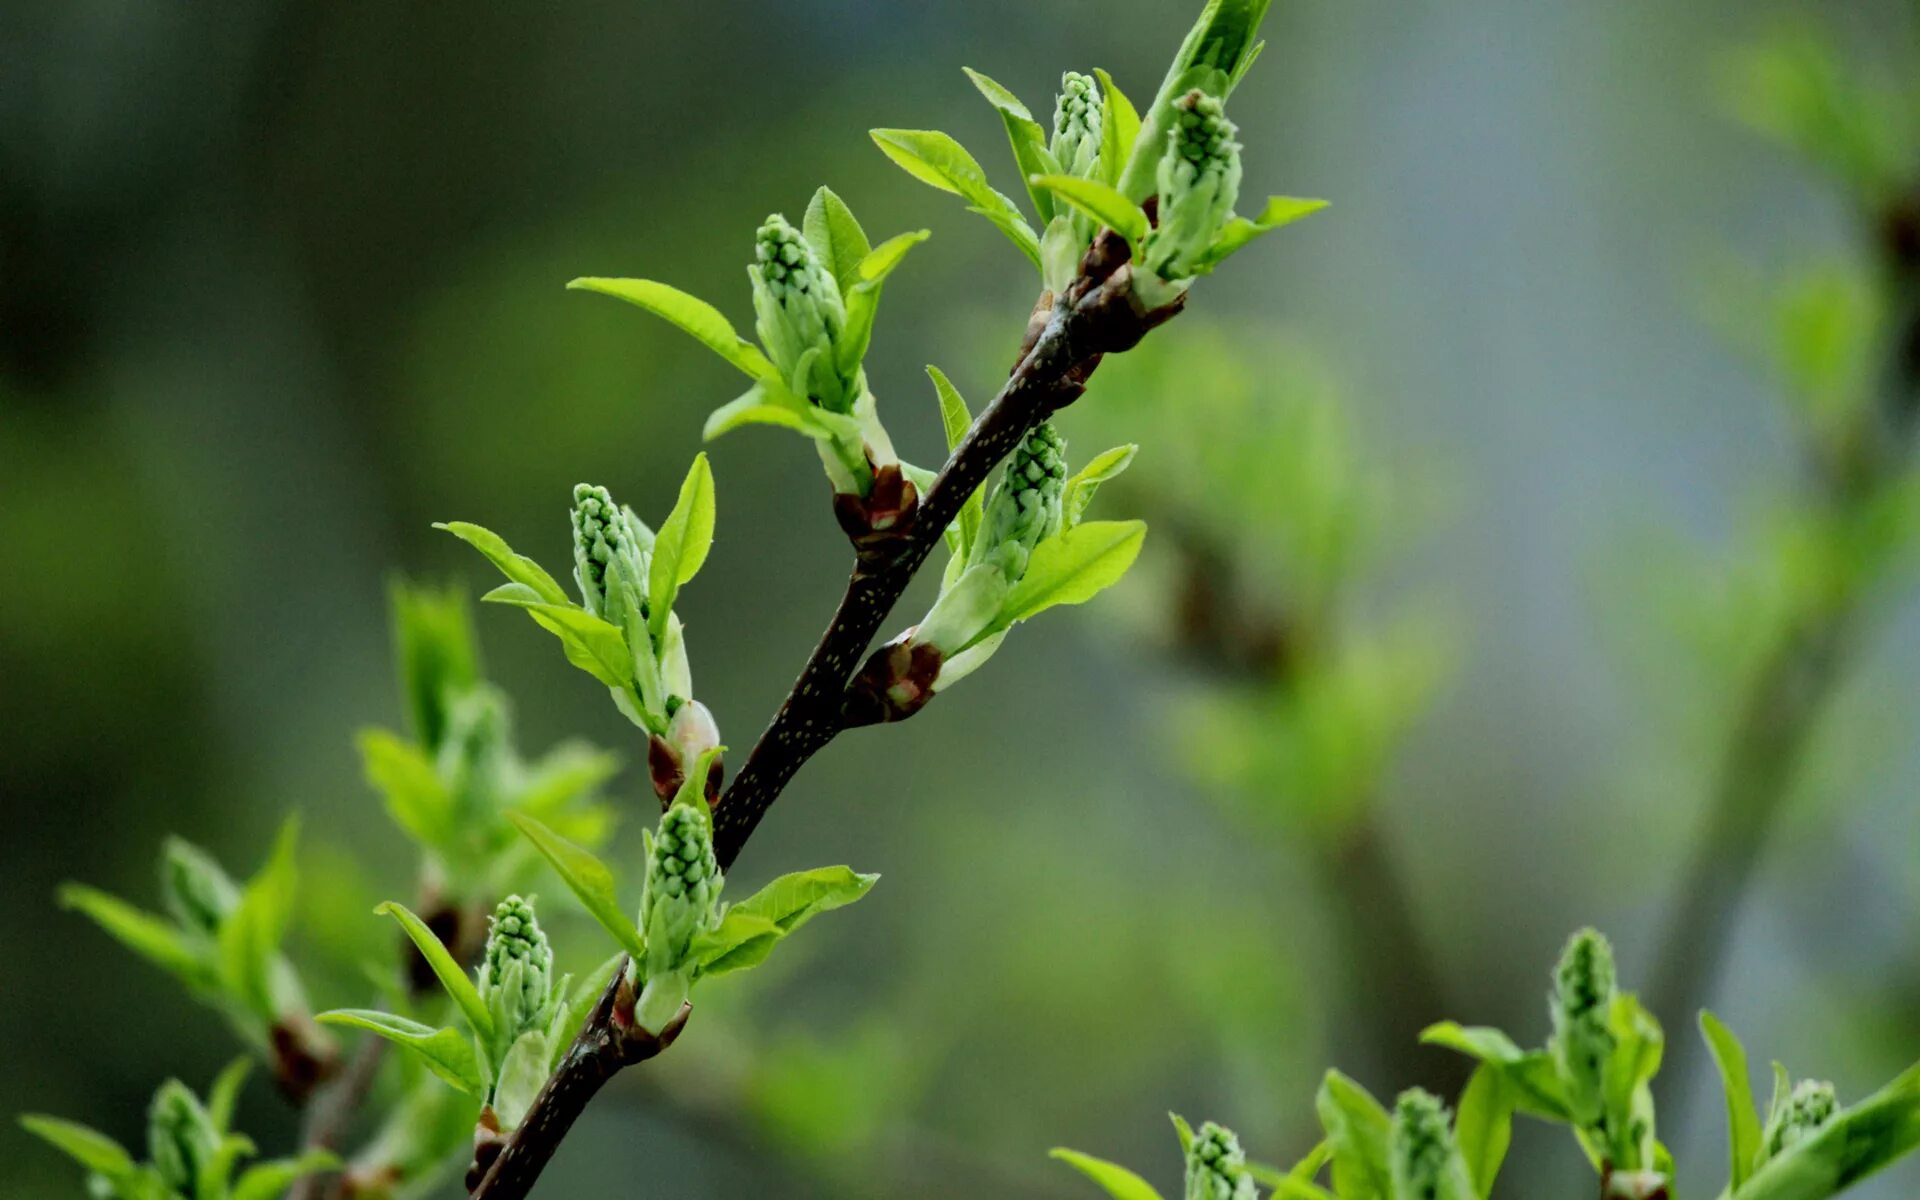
x,y
596,646
1483,1125
1477,1041
1099,201
698,318
1079,491
249,939
760,405
1858,1142
1119,128
589,880
1115,1179
863,297
936,159
89,1147
1286,1187
1182,1130
448,1052
153,938
680,549
1357,1128
956,420
270,1180
1029,140
452,976
836,236
1073,567
794,899
516,567
1239,232
407,781
742,940
1743,1122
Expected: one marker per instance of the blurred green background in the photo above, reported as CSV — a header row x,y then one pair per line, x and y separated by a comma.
x,y
280,284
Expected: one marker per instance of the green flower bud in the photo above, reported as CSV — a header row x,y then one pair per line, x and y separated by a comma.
x,y
1077,117
609,556
476,760
1422,1155
1199,181
197,891
682,892
516,976
181,1138
1810,1105
798,310
1582,1001
1025,507
1216,1166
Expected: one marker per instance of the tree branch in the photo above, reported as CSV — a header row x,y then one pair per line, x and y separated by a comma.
x,y
1066,340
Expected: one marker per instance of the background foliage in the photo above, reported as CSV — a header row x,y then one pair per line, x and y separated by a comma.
x,y
280,284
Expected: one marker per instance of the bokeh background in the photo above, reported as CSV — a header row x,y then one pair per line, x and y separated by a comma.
x,y
280,284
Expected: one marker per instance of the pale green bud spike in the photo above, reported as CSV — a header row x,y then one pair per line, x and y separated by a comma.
x,y
1583,992
1216,1166
1199,182
1422,1157
1077,117
1025,507
516,977
606,550
197,891
682,893
1810,1105
181,1138
476,755
798,308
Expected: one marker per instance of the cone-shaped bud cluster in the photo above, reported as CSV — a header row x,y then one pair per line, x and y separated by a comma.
x,y
1583,992
1199,183
181,1138
198,893
1810,1105
476,757
1025,507
609,557
1422,1156
1077,117
682,889
1216,1166
516,978
799,311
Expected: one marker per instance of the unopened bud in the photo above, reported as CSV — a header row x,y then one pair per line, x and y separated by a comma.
x,y
1025,507
197,891
1810,1105
1199,182
516,977
181,1138
609,559
682,890
1424,1160
1582,1002
798,309
1216,1166
1077,117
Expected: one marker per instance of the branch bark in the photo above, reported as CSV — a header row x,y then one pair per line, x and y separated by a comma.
x,y
1066,340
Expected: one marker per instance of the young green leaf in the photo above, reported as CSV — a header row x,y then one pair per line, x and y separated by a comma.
x,y
1483,1126
224,1096
1182,1130
1080,488
1119,128
863,296
761,405
1116,1180
1101,202
406,780
452,976
796,898
956,420
936,159
153,938
1028,139
741,940
270,1180
681,547
516,567
448,1053
1074,567
1853,1145
1743,1122
595,646
836,236
89,1147
589,880
698,318
1240,232
249,940
1357,1128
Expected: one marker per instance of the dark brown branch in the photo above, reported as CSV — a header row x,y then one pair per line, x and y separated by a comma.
x,y
1066,340
332,1114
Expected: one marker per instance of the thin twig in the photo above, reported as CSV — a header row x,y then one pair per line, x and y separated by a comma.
x,y
332,1113
1067,338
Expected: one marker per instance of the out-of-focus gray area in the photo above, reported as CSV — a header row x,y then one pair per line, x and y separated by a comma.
x,y
281,284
